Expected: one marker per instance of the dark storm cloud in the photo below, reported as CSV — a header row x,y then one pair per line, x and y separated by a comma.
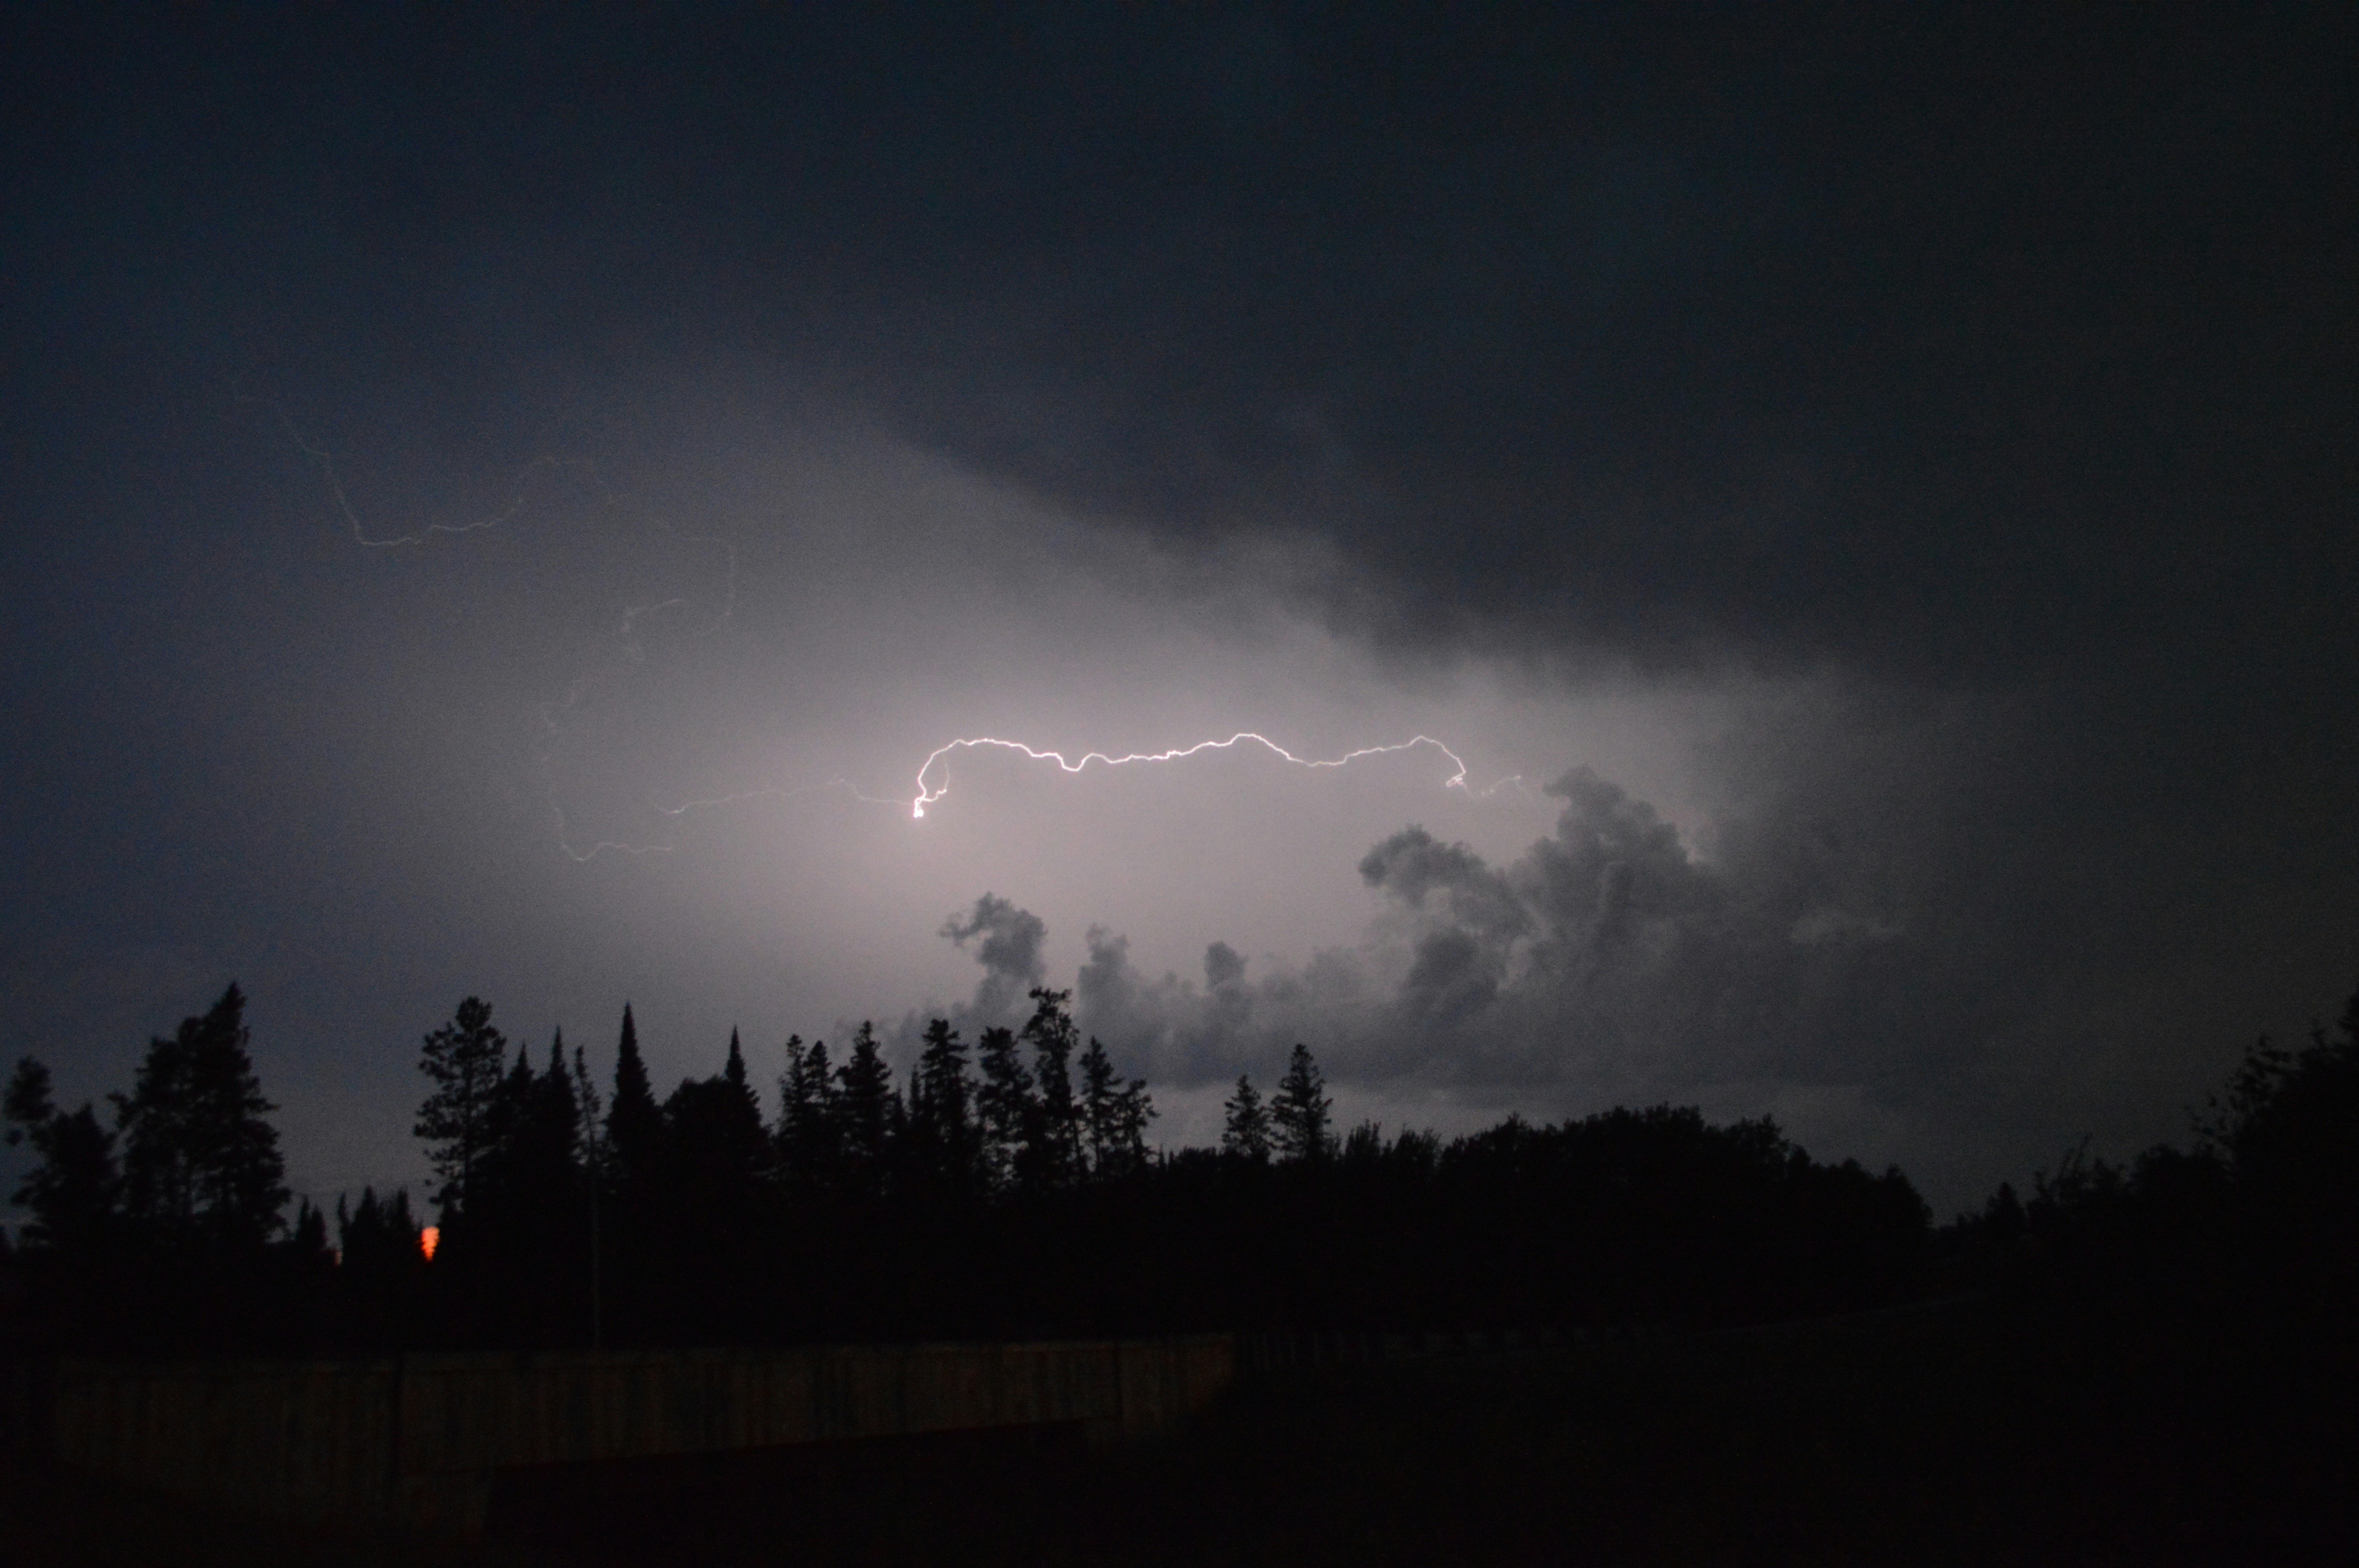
x,y
1946,345
1940,342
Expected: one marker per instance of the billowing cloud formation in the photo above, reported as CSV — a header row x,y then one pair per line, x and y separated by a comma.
x,y
1007,945
1608,955
1605,958
1611,963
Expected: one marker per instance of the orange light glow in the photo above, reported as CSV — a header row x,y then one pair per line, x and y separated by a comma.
x,y
428,1238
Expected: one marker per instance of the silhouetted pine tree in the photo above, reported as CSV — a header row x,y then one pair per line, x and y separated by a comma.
x,y
498,1216
511,1108
867,1109
717,1147
201,1165
378,1237
543,1155
1134,1108
597,1170
1100,1090
1245,1132
466,1058
75,1191
945,1143
307,1241
1051,1151
1005,1103
1116,1115
634,1132
1299,1112
809,1139
589,1121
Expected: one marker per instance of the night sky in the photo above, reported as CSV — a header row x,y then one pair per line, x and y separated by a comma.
x,y
1867,491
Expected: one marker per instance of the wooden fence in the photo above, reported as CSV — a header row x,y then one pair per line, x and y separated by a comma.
x,y
418,1439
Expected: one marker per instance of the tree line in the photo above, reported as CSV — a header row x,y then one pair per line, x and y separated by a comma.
x,y
191,1166
1002,1187
1008,1187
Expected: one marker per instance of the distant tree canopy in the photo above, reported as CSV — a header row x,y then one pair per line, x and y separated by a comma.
x,y
75,1191
1006,1187
1244,1133
191,1165
1006,1190
849,1131
201,1162
1298,1115
2237,1256
466,1060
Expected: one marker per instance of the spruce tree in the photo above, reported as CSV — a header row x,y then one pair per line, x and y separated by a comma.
x,y
946,1144
1005,1103
785,1135
546,1145
808,1134
1133,1109
634,1131
866,1103
1114,1113
377,1238
1299,1113
590,1129
1246,1132
466,1059
201,1162
1050,1156
715,1127
597,1172
75,1191
306,1242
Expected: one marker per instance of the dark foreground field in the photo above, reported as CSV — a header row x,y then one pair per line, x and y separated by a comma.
x,y
1940,1434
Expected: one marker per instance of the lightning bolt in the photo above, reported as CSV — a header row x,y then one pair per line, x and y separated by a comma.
x,y
325,461
928,794
937,762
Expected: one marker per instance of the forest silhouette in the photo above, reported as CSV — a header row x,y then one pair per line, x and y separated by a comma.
x,y
1007,1188
1004,1187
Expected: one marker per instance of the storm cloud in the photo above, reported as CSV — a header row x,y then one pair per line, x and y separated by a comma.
x,y
1605,959
1007,945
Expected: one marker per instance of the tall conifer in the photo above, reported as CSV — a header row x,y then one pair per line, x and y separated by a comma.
x,y
1245,1133
466,1059
942,1110
633,1123
201,1162
1299,1111
866,1107
1005,1103
1051,1155
75,1191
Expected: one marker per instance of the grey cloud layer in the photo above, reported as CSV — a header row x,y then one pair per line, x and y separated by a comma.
x,y
1605,959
